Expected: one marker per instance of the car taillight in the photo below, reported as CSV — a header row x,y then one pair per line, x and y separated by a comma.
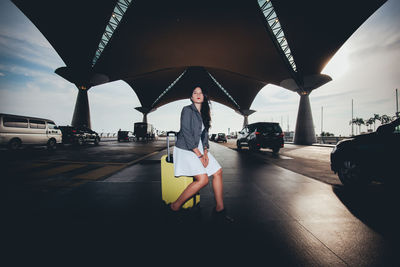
x,y
74,131
281,135
257,133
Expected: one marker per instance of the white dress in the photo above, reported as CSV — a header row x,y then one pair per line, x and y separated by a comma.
x,y
186,163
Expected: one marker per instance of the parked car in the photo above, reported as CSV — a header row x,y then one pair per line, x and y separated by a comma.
x,y
221,137
125,136
368,157
261,135
17,131
212,137
79,135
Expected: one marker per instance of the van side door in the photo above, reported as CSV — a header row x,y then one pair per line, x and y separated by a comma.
x,y
37,132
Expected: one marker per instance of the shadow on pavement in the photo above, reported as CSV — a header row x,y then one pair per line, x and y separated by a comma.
x,y
376,206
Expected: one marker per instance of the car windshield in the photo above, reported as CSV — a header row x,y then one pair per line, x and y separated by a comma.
x,y
51,125
221,134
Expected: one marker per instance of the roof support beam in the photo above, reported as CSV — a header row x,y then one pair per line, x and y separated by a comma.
x,y
116,17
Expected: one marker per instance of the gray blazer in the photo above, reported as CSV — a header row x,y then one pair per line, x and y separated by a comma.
x,y
190,133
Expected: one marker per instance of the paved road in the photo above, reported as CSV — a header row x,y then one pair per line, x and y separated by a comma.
x,y
312,161
282,217
69,166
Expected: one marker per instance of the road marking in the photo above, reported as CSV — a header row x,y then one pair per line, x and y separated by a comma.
x,y
98,173
87,163
57,170
29,166
78,183
142,158
108,169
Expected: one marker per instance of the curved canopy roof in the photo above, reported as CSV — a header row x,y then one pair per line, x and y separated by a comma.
x,y
233,48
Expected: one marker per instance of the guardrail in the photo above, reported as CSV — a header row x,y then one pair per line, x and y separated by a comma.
x,y
332,140
108,135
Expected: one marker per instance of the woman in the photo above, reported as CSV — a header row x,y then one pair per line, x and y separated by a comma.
x,y
191,156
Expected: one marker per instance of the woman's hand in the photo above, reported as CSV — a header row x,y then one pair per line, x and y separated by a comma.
x,y
204,161
206,157
203,158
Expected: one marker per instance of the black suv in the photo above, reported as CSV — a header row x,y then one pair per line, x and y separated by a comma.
x,y
78,136
125,136
368,157
261,135
221,137
212,137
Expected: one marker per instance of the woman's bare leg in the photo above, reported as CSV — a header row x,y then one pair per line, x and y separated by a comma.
x,y
200,181
218,190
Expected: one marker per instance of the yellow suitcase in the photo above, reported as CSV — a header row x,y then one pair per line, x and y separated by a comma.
x,y
171,186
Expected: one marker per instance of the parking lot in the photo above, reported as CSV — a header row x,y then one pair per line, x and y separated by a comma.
x,y
107,199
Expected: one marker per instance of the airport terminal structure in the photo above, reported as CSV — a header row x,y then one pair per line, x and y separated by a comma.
x,y
230,48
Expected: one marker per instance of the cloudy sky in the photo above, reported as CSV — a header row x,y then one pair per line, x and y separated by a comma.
x,y
365,69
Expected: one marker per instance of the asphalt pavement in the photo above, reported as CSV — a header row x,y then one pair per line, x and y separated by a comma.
x,y
102,205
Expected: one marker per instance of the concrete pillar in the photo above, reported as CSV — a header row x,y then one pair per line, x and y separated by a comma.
x,y
145,111
81,115
245,113
245,121
304,133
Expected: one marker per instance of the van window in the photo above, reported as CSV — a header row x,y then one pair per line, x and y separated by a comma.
x,y
15,122
37,124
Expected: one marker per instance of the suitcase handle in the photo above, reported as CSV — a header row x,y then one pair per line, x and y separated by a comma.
x,y
168,133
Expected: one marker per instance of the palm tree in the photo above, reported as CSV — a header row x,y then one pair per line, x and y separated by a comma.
x,y
353,121
376,117
369,122
385,119
359,122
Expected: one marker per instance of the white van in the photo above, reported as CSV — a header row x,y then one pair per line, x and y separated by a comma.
x,y
21,130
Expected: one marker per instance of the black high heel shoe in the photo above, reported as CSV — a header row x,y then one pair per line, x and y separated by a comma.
x,y
222,217
174,217
171,210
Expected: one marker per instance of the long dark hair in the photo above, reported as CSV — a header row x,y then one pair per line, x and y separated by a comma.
x,y
205,108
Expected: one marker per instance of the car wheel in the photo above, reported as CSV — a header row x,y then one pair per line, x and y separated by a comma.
x,y
51,144
275,150
14,144
351,174
96,141
253,147
239,145
80,141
